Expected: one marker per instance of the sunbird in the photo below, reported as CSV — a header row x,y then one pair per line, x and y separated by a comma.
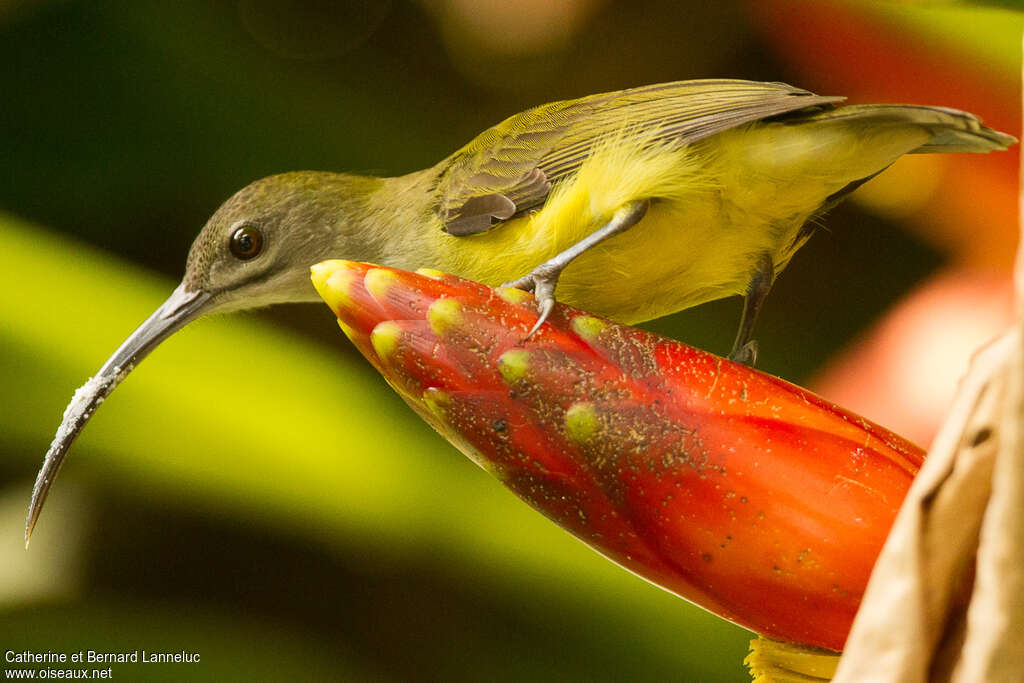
x,y
635,204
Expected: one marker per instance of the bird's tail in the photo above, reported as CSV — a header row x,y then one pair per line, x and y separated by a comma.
x,y
951,130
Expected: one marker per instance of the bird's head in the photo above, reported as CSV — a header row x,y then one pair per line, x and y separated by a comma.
x,y
255,250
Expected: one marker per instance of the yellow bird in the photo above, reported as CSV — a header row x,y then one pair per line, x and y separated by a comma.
x,y
636,204
714,180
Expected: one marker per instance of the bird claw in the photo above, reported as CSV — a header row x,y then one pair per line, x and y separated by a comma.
x,y
746,354
545,306
541,281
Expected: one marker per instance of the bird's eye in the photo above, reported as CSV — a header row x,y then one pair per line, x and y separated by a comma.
x,y
246,242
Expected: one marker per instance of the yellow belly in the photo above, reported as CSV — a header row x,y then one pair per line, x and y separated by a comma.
x,y
678,256
717,208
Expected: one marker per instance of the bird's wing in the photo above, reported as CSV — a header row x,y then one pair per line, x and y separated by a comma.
x,y
510,168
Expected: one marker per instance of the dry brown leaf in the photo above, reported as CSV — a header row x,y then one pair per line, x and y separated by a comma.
x,y
946,598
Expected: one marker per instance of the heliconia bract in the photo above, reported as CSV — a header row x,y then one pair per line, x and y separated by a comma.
x,y
740,492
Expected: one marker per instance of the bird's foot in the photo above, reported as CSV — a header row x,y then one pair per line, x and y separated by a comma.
x,y
541,281
746,354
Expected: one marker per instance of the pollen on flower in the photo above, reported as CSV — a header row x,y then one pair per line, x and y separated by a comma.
x,y
443,315
621,445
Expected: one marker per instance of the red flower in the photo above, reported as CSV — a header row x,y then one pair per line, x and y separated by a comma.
x,y
745,494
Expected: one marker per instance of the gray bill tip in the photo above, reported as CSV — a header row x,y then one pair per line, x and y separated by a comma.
x,y
180,308
84,403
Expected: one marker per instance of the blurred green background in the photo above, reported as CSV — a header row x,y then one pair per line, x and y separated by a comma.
x,y
254,492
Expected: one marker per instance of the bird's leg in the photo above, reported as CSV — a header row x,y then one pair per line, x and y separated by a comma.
x,y
542,279
744,349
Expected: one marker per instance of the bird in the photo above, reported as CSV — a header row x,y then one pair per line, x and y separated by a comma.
x,y
631,204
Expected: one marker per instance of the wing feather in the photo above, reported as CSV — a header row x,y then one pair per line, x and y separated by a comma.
x,y
510,168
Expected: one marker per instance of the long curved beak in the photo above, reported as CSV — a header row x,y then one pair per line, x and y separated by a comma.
x,y
180,308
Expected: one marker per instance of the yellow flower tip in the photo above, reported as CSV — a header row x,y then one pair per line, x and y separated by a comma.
x,y
335,289
338,289
377,282
323,270
437,402
443,315
581,422
587,326
385,338
513,295
319,272
770,661
432,273
513,365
